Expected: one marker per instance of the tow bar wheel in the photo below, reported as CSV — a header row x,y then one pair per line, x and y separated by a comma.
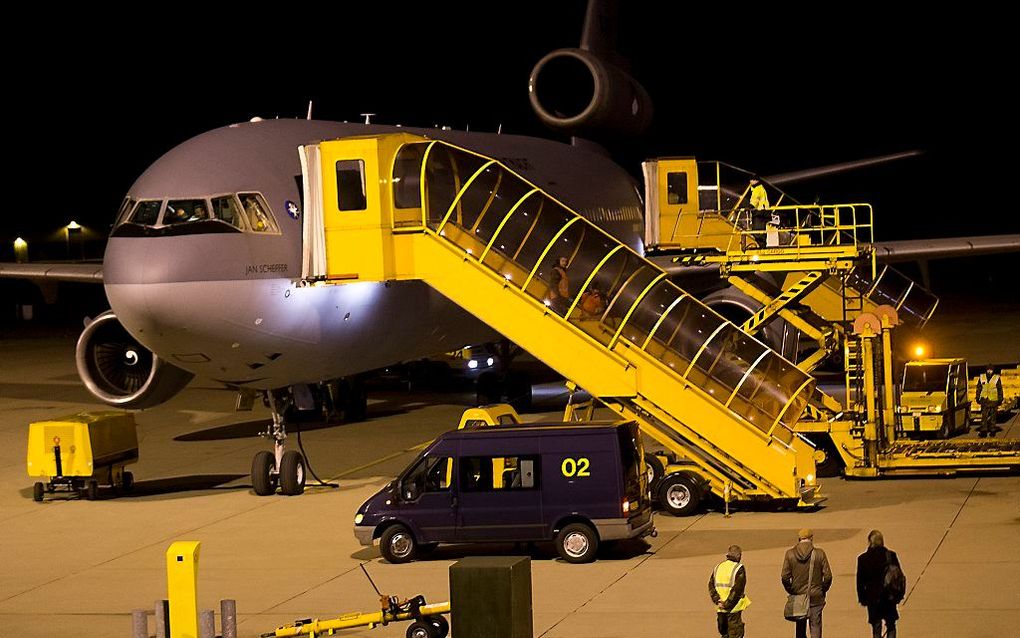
x,y
422,629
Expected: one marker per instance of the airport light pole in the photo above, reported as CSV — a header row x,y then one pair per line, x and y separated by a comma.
x,y
20,250
72,227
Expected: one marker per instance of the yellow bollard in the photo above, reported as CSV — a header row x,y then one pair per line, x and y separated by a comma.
x,y
182,588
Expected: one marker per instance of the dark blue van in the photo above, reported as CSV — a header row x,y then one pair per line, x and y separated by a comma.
x,y
576,484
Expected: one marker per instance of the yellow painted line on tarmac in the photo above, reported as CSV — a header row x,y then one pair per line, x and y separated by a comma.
x,y
388,457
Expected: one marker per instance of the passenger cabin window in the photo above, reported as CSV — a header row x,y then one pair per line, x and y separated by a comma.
x,y
227,209
487,473
257,213
676,188
429,475
350,185
181,211
147,212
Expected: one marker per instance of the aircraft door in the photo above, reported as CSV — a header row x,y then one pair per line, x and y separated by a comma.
x,y
343,227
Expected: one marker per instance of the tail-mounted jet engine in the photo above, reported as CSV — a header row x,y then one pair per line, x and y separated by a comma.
x,y
575,91
121,372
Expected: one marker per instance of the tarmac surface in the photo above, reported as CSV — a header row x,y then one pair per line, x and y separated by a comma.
x,y
77,568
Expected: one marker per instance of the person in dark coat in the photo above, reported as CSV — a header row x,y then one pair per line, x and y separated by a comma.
x,y
795,580
871,590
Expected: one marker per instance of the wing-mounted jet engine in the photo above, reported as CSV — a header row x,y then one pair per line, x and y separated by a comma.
x,y
121,372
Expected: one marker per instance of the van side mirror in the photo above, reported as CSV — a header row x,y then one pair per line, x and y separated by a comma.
x,y
410,491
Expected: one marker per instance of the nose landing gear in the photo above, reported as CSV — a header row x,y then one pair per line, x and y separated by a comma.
x,y
280,468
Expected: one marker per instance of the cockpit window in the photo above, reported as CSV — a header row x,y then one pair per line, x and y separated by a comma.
x,y
147,212
179,211
257,213
125,209
227,209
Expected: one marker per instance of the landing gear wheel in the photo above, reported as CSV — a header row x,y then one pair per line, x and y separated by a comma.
x,y
577,543
441,626
292,473
680,494
945,431
653,470
263,473
518,392
397,545
421,629
127,481
37,492
92,490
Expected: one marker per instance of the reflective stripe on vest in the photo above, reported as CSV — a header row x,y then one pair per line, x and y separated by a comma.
x,y
725,578
990,388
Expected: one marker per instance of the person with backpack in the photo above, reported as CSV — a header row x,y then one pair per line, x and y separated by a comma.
x,y
881,585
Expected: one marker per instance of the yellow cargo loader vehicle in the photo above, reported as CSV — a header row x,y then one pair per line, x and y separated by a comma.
x,y
933,398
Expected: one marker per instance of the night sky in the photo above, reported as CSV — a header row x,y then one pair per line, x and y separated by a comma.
x,y
92,108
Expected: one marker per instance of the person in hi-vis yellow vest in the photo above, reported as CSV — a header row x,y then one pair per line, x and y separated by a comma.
x,y
989,395
726,586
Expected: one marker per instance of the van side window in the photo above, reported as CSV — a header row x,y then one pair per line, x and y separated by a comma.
x,y
500,473
429,475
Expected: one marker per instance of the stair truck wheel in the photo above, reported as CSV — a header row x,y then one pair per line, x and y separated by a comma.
x,y
92,490
653,470
828,462
421,629
680,494
398,545
37,492
127,481
263,477
577,543
292,473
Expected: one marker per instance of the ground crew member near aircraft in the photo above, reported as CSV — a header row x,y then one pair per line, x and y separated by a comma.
x,y
989,395
559,294
727,586
876,590
801,559
759,200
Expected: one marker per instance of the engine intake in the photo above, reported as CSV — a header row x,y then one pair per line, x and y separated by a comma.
x,y
121,372
575,91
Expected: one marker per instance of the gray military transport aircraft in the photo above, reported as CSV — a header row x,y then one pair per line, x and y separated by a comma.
x,y
203,266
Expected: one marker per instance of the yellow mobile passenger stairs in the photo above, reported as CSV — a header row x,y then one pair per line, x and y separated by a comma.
x,y
401,207
814,267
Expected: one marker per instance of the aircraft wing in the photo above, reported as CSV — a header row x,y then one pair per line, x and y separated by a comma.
x,y
77,272
915,249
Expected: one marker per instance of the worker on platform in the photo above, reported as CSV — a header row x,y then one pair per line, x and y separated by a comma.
x,y
559,293
727,586
989,395
759,200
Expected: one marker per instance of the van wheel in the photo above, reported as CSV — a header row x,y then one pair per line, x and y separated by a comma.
x,y
653,470
680,494
292,473
577,543
397,544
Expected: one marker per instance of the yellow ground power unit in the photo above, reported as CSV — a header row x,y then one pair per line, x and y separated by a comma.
x,y
79,452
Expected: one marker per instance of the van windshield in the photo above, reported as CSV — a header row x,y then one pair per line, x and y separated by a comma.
x,y
630,461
